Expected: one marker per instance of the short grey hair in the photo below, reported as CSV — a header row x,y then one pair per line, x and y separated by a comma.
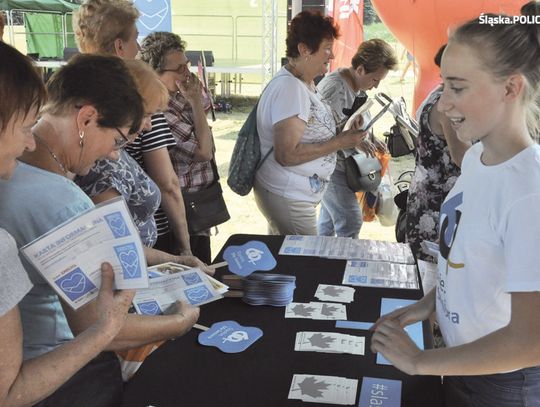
x,y
156,46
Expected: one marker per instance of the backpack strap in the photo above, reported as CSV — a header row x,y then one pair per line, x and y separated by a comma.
x,y
264,159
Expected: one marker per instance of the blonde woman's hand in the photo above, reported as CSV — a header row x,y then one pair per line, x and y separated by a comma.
x,y
391,340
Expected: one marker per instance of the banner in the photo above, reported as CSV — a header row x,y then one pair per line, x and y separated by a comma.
x,y
155,16
349,14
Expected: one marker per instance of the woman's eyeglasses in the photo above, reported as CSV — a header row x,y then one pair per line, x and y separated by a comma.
x,y
182,68
122,141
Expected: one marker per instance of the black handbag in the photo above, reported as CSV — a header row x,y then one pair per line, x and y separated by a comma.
x,y
397,143
206,208
363,173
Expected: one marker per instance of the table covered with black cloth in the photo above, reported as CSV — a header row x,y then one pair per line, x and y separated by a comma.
x,y
184,373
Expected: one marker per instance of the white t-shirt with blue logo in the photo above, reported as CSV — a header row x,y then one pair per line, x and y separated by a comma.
x,y
489,241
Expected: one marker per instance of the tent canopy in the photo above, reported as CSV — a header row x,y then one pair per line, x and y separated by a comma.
x,y
47,25
61,6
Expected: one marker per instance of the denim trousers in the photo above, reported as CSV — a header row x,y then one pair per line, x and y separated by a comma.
x,y
515,389
340,213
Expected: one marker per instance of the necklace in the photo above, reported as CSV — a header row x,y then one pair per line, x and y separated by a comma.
x,y
53,155
298,75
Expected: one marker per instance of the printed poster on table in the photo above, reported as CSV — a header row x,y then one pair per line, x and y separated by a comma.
x,y
69,256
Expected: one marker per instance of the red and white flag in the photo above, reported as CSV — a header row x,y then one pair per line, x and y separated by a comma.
x,y
349,14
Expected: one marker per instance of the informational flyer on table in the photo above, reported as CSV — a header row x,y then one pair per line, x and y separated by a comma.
x,y
192,286
380,274
346,248
69,256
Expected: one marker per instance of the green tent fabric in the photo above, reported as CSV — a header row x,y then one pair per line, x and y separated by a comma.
x,y
61,6
44,27
45,34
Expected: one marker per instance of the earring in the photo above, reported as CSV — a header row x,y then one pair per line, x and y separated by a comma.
x,y
81,137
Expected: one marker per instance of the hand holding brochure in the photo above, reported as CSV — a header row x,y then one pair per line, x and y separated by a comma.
x,y
69,256
361,111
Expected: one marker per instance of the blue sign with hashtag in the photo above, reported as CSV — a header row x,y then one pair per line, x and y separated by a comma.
x,y
380,392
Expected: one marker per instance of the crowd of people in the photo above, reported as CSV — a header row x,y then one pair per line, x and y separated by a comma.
x,y
129,120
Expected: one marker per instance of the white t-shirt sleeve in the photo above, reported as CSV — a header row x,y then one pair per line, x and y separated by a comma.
x,y
522,240
289,98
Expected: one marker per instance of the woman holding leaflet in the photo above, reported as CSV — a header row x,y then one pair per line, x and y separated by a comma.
x,y
27,381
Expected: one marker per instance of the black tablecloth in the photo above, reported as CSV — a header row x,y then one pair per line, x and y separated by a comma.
x,y
184,373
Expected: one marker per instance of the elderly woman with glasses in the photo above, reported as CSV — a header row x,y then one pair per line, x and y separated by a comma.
x,y
85,120
25,382
193,154
78,125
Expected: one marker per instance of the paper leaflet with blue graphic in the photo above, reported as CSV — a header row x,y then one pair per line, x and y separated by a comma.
x,y
380,392
69,256
191,286
415,330
346,248
382,274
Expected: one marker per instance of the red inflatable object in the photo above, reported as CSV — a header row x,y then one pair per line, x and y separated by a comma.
x,y
422,26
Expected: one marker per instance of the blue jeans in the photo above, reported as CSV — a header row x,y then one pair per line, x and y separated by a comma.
x,y
340,213
515,389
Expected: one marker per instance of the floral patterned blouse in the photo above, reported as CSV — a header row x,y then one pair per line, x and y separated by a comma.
x,y
142,195
434,176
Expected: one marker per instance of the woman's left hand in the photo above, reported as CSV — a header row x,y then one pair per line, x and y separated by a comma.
x,y
394,343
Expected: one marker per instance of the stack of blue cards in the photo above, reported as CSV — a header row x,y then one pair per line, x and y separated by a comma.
x,y
269,289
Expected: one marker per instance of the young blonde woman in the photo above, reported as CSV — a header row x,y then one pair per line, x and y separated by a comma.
x,y
488,292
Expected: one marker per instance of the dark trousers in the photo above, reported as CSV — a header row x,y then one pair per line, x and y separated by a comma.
x,y
200,247
515,389
97,384
166,243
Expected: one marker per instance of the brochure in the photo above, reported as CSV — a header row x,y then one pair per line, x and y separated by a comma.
x,y
69,256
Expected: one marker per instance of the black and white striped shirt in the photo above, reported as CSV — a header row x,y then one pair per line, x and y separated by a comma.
x,y
159,137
